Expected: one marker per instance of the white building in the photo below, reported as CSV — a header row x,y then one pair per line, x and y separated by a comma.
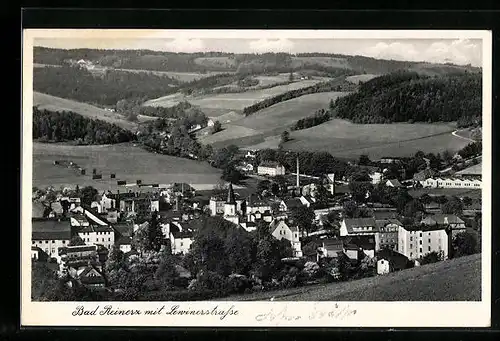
x,y
270,169
452,183
92,229
49,235
416,242
281,230
230,213
376,178
216,205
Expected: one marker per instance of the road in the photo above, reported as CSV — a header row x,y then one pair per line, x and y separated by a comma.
x,y
462,137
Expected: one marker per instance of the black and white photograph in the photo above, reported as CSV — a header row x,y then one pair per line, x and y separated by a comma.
x,y
214,168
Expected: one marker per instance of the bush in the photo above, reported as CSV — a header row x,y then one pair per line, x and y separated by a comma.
x,y
209,280
238,284
311,270
180,295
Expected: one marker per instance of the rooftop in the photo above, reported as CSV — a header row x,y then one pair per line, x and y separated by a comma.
x,y
54,229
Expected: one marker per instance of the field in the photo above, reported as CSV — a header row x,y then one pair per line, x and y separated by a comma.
x,y
217,62
230,101
54,103
323,61
270,121
344,139
128,162
454,280
360,78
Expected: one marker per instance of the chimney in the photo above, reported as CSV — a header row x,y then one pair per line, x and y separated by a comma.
x,y
298,172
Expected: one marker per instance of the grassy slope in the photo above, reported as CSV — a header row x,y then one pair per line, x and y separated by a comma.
x,y
345,139
44,101
455,280
128,162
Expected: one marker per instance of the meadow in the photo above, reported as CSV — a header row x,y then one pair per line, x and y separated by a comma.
x,y
345,139
127,161
458,279
53,103
360,78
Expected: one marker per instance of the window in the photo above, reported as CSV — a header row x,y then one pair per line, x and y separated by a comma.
x,y
411,246
411,254
32,242
420,250
52,250
420,242
109,239
429,248
53,241
429,240
411,239
420,234
182,243
46,242
64,242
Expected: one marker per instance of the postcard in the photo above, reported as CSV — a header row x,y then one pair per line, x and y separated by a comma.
x,y
256,178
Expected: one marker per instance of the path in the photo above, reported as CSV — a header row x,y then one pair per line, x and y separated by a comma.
x,y
462,137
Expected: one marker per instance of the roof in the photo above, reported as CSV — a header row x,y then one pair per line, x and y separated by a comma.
x,y
56,207
424,174
50,229
182,234
294,202
364,242
37,209
124,240
424,228
124,229
277,222
396,259
359,222
258,203
332,243
440,219
76,248
394,182
230,195
383,215
383,222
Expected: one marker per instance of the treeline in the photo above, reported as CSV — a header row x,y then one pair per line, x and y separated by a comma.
x,y
320,116
207,83
104,90
69,126
470,150
410,97
339,84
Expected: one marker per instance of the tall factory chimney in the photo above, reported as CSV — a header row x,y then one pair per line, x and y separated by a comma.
x,y
298,172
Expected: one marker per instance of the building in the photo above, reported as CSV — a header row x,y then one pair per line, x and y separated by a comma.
x,y
91,228
330,248
456,224
393,183
230,213
181,238
216,205
281,229
140,204
375,177
50,234
389,260
388,234
358,226
383,266
472,172
424,174
289,204
417,241
123,237
388,160
71,259
365,244
210,123
92,277
270,169
307,200
254,206
457,182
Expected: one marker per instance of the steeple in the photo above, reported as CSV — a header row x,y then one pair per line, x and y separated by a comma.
x,y
230,195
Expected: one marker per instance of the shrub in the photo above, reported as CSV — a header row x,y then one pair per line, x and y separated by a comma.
x,y
238,284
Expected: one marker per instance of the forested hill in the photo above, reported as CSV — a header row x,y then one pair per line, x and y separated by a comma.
x,y
50,126
320,64
410,97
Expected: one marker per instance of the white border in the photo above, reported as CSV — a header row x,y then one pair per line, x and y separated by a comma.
x,y
368,314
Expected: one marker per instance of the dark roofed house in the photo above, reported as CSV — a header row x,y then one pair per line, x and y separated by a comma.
x,y
289,204
330,248
358,226
393,183
90,276
442,220
424,174
50,234
389,260
38,209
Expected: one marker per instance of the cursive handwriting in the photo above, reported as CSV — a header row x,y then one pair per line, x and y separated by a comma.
x,y
279,315
336,312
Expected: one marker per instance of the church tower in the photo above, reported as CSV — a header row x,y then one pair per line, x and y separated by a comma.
x,y
230,206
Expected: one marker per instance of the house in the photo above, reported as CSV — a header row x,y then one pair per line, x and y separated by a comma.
x,y
71,259
389,260
375,177
393,183
289,204
50,234
91,276
37,254
281,229
249,226
424,174
270,169
330,248
416,241
245,167
383,214
452,183
140,204
124,243
216,205
181,238
457,225
388,160
383,266
91,228
307,200
388,234
309,190
39,210
358,226
365,244
254,206
210,123
472,172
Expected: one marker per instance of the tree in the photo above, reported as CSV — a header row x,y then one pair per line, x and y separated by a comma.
x,y
285,136
360,190
467,201
453,206
269,253
88,195
76,241
216,127
303,216
166,272
425,199
155,234
322,195
231,174
364,160
432,257
412,208
464,243
291,76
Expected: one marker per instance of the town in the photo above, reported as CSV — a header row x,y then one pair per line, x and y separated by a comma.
x,y
290,229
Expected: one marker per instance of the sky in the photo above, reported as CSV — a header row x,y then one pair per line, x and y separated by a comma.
x,y
457,51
